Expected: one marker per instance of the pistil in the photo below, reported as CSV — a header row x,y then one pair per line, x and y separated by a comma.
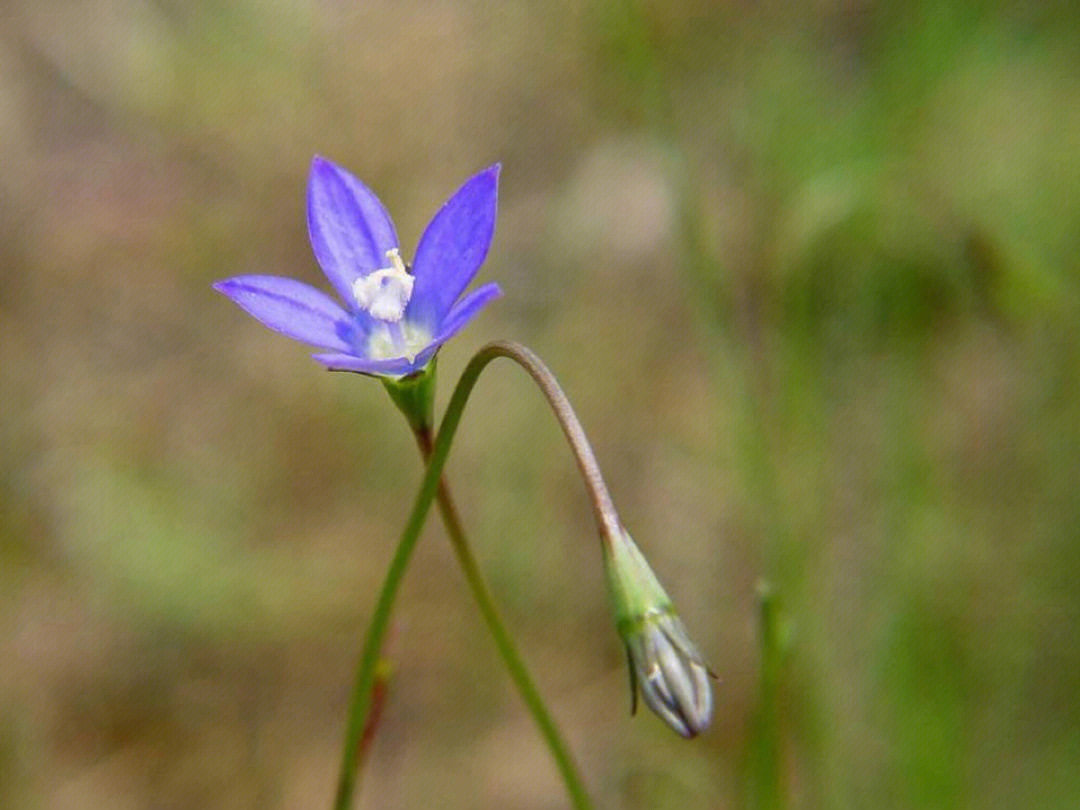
x,y
397,336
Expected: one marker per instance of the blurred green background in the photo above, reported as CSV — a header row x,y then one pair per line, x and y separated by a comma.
x,y
807,270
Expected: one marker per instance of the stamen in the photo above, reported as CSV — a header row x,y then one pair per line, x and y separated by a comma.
x,y
386,292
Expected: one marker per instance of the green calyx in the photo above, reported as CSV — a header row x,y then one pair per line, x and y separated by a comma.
x,y
414,396
636,593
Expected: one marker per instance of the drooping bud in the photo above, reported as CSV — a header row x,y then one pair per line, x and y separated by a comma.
x,y
663,661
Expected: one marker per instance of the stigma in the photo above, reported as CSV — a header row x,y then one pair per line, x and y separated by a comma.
x,y
385,293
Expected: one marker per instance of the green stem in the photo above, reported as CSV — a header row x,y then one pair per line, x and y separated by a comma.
x,y
515,664
765,771
432,485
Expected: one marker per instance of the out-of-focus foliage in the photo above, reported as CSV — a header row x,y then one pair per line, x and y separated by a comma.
x,y
808,271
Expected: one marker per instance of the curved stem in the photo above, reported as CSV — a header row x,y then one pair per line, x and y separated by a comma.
x,y
607,521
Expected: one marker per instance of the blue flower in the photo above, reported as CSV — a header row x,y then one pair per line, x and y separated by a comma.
x,y
395,317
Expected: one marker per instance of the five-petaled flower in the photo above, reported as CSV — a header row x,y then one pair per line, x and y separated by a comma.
x,y
395,317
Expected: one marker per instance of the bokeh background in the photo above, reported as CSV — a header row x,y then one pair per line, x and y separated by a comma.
x,y
808,271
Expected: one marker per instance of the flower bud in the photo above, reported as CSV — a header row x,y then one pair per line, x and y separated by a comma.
x,y
663,661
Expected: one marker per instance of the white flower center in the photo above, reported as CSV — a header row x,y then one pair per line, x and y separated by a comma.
x,y
386,292
392,340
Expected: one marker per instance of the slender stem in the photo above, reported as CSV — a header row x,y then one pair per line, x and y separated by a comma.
x,y
515,664
363,688
766,781
378,703
607,521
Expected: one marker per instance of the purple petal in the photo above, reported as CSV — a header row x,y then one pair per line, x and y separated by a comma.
x,y
292,308
465,309
350,362
453,247
350,230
